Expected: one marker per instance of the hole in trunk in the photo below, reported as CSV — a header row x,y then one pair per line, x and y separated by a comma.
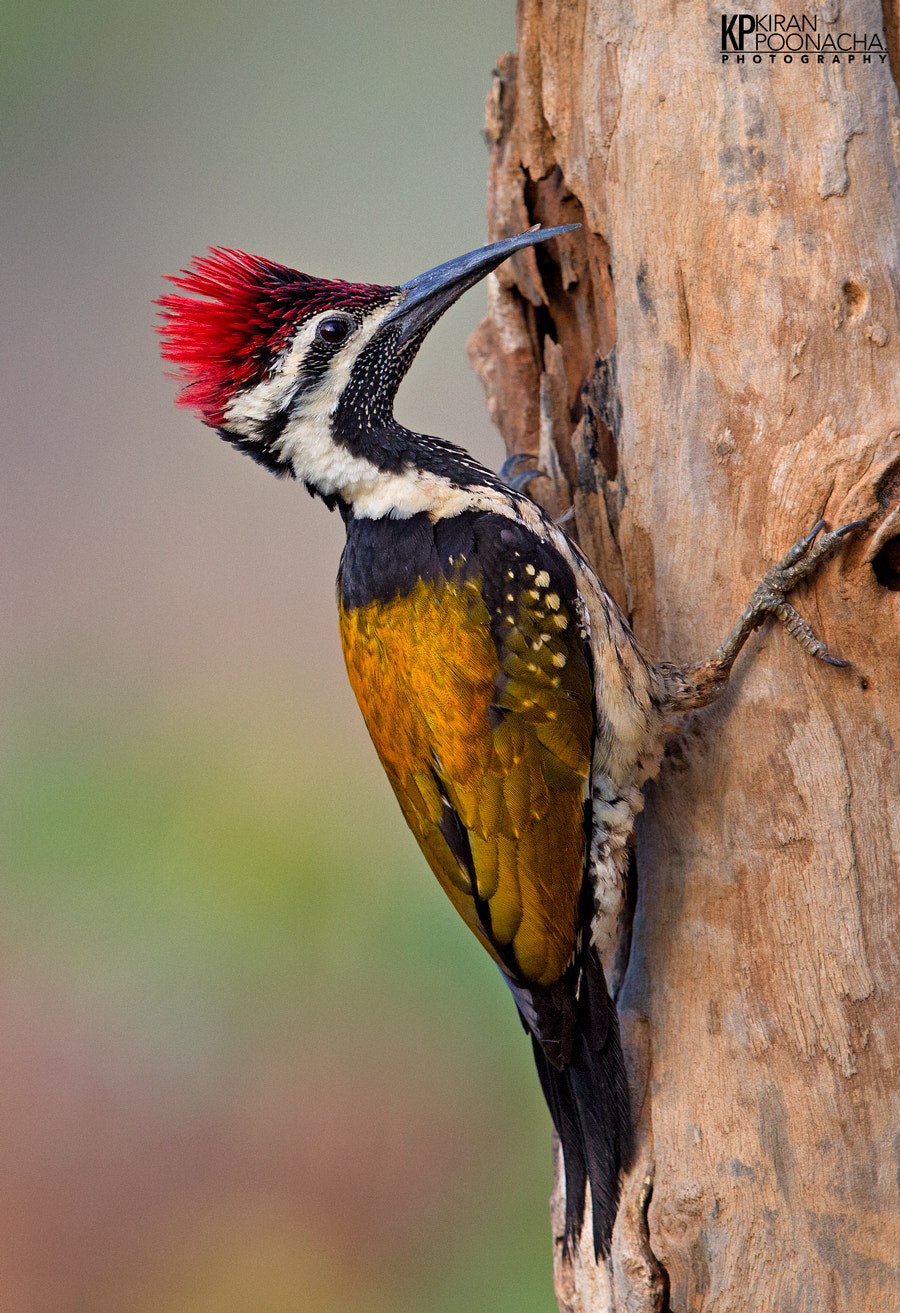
x,y
886,565
856,298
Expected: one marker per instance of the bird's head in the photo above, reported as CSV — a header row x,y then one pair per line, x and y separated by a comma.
x,y
301,372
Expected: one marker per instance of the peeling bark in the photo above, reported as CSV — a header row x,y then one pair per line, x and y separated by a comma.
x,y
704,370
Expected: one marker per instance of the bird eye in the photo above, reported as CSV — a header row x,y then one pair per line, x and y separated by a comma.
x,y
333,330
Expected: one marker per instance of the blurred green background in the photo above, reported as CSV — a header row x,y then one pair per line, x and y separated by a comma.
x,y
250,1060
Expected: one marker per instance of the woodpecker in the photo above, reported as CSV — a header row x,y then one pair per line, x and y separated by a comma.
x,y
511,706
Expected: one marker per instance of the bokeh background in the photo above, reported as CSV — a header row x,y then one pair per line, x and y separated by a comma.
x,y
249,1058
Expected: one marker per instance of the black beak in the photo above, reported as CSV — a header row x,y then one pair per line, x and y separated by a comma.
x,y
429,295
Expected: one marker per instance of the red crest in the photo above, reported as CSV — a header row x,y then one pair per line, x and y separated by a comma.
x,y
253,307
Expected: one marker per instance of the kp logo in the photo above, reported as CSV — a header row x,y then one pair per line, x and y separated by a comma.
x,y
745,24
785,37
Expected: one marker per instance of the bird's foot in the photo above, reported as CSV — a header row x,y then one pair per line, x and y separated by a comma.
x,y
804,558
697,685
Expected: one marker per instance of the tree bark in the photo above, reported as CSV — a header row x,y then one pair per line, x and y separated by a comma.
x,y
703,371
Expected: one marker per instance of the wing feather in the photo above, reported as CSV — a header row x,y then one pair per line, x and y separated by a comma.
x,y
488,715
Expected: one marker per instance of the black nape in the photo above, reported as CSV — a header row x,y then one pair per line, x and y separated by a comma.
x,y
260,450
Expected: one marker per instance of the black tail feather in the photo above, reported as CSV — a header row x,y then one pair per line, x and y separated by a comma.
x,y
589,1103
563,1110
600,1092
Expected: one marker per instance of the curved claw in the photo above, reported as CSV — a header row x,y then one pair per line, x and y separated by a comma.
x,y
518,481
801,551
805,556
850,528
506,469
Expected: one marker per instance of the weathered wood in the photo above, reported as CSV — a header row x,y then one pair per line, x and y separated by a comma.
x,y
714,360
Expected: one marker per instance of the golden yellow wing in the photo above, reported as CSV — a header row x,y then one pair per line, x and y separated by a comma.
x,y
482,717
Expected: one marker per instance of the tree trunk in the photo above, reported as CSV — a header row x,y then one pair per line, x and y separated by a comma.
x,y
704,370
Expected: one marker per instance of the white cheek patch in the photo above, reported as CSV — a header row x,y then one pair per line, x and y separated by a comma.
x,y
246,411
